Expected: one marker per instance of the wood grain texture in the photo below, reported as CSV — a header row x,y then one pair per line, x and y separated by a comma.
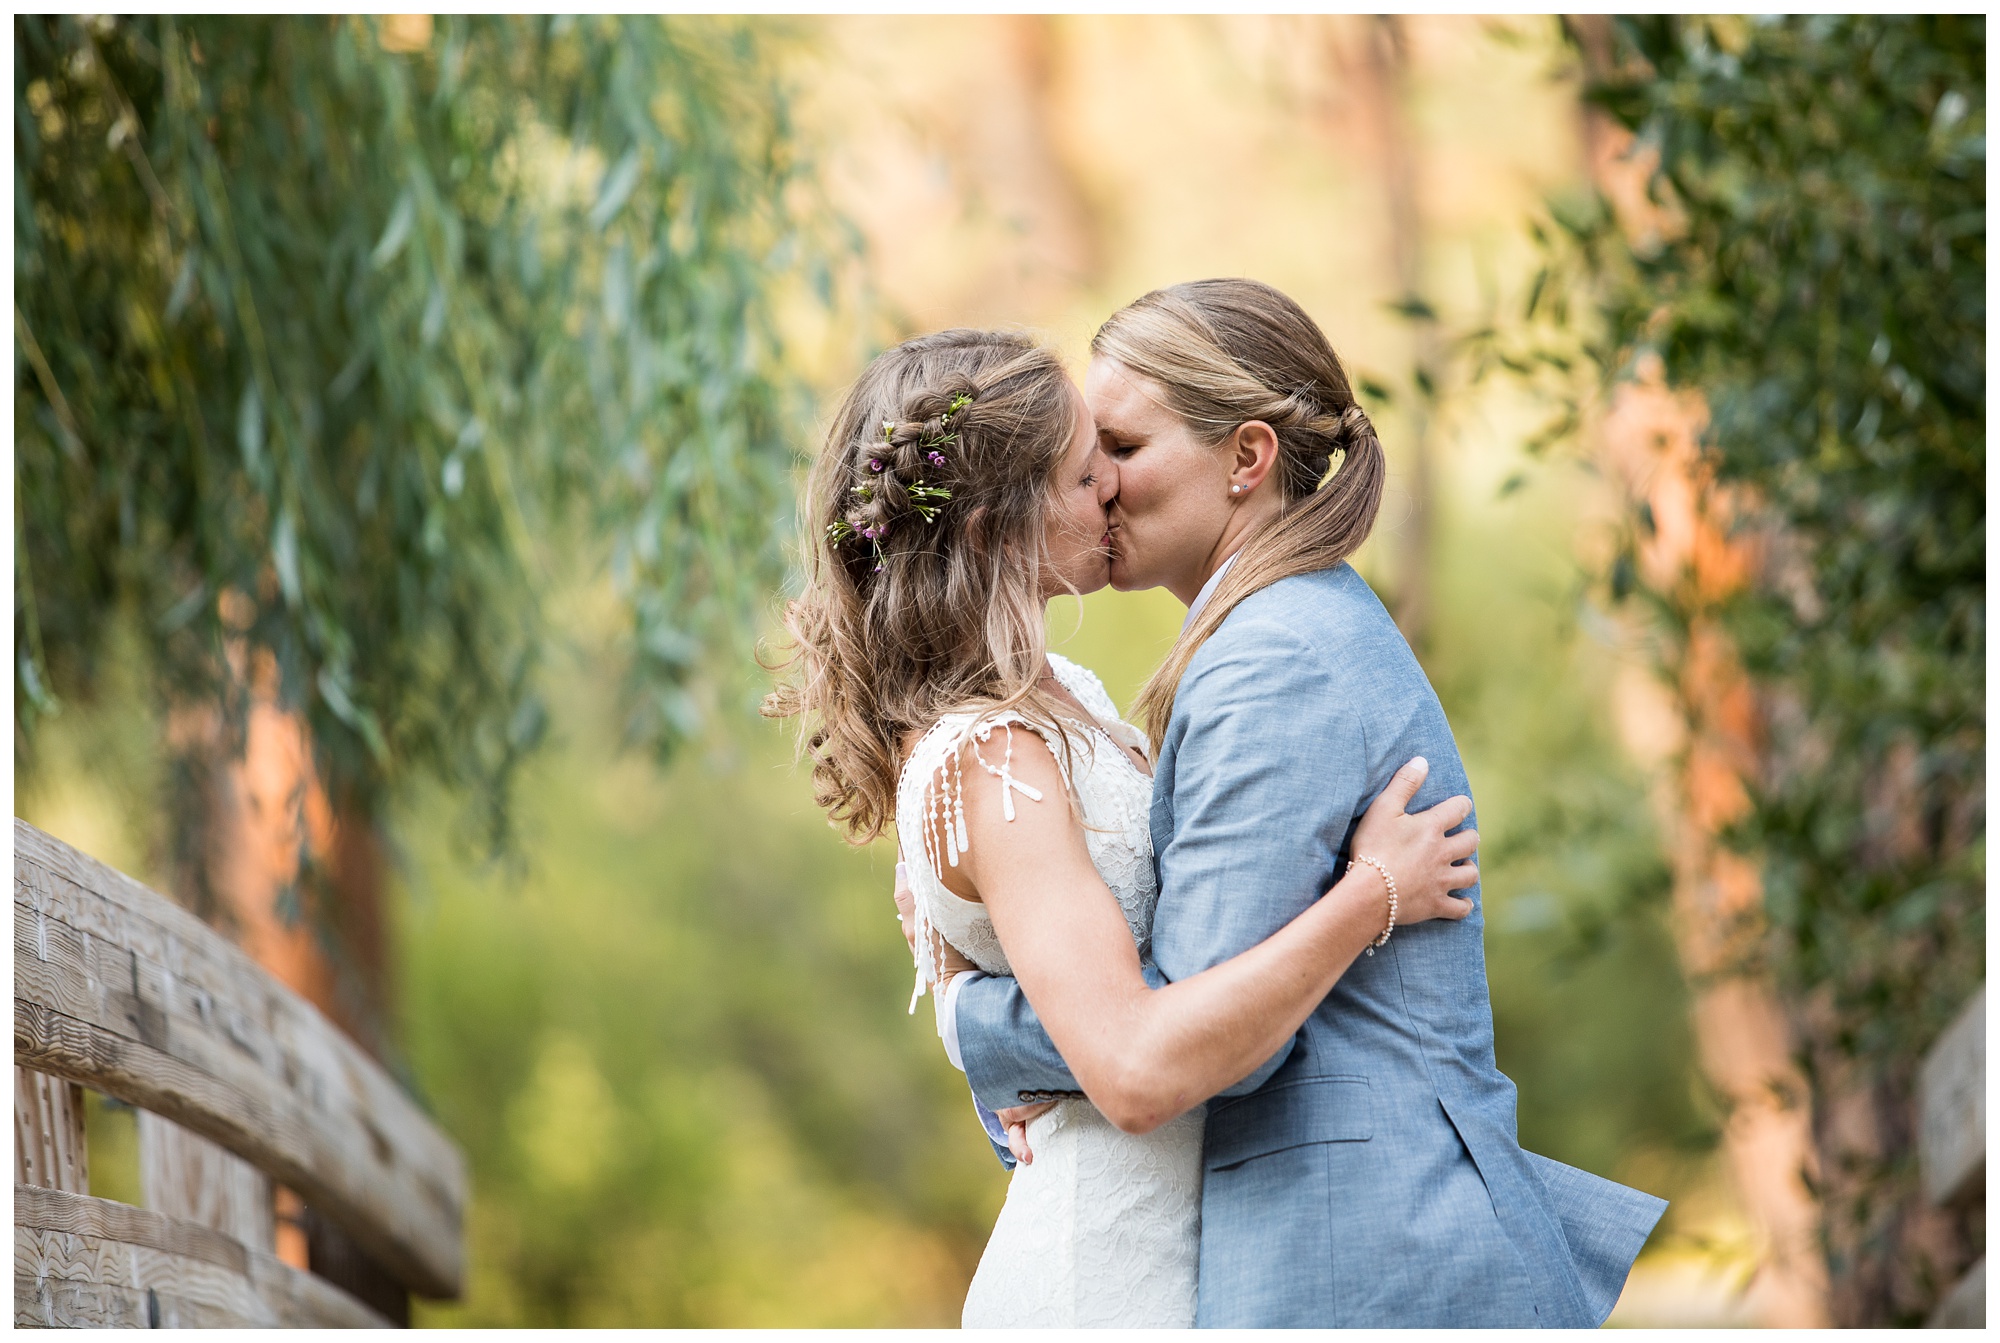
x,y
1964,1306
49,1149
186,1176
120,989
1951,1107
82,1262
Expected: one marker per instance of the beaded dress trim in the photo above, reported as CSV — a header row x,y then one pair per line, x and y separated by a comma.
x,y
931,799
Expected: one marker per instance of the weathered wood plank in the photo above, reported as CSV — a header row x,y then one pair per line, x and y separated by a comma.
x,y
186,1176
81,1261
81,1215
49,1150
1951,1106
52,1303
1964,1306
224,1298
118,988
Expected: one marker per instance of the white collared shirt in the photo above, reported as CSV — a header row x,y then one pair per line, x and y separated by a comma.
x,y
1208,589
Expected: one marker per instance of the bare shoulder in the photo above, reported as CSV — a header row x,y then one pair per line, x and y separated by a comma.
x,y
1015,794
993,787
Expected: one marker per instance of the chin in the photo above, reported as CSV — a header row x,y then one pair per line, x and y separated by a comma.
x,y
1081,580
1094,582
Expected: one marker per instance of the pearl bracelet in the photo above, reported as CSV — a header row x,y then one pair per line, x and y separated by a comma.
x,y
1390,882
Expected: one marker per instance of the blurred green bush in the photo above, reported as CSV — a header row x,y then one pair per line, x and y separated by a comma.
x,y
674,1045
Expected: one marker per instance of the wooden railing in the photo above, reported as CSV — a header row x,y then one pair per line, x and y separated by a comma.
x,y
247,1095
1951,1144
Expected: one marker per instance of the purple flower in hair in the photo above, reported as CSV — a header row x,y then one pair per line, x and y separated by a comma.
x,y
935,458
874,464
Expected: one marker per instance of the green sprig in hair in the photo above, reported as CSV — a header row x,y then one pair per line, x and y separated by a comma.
x,y
926,500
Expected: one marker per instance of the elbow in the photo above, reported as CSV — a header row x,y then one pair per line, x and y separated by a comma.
x,y
1130,1114
1139,1096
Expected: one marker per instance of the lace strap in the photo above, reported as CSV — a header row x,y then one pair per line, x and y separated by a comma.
x,y
1009,785
941,810
1086,685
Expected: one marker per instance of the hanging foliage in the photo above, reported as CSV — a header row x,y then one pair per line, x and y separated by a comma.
x,y
331,333
1816,268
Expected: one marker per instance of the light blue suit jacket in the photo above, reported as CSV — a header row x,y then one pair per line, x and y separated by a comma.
x,y
1370,1173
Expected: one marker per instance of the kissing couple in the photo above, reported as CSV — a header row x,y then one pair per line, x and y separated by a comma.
x,y
1219,994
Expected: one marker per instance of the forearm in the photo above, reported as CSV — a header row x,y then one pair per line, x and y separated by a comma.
x,y
1145,1054
1161,1052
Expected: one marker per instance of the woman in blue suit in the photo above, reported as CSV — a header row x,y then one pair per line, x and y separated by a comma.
x,y
1358,1162
1368,1173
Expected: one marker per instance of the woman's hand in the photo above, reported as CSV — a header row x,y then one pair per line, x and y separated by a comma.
x,y
1014,1120
1427,863
906,906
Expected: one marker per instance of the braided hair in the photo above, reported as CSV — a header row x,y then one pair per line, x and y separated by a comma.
x,y
904,477
926,518
1223,353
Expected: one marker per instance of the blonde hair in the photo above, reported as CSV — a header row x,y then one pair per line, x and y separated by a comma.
x,y
925,520
1225,353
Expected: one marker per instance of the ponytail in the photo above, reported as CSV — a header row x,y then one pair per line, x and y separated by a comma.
x,y
1224,353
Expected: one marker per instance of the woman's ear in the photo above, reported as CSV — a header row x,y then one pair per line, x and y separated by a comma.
x,y
1253,452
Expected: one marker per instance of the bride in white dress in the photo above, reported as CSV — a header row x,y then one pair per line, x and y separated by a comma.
x,y
959,489
1101,1227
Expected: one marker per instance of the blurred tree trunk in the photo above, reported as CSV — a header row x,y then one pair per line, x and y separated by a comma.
x,y
265,855
1038,55
1807,1131
1385,81
1741,1031
1017,154
1742,1034
298,881
1847,379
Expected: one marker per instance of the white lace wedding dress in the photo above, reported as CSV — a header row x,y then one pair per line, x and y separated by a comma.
x,y
1103,1228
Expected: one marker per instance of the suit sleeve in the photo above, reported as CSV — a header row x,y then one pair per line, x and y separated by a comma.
x,y
1003,1044
1270,767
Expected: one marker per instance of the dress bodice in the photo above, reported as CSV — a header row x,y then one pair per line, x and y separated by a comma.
x,y
1112,793
1103,1228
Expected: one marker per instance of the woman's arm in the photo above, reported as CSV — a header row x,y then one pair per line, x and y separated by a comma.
x,y
1144,1055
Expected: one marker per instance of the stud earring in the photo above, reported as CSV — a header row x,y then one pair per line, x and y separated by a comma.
x,y
1236,489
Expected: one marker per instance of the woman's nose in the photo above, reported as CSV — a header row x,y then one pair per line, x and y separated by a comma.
x,y
1107,479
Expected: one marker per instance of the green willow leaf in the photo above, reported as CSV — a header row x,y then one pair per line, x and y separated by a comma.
x,y
1823,285
416,349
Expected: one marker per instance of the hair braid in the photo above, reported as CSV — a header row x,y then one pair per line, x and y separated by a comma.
x,y
928,508
1224,353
